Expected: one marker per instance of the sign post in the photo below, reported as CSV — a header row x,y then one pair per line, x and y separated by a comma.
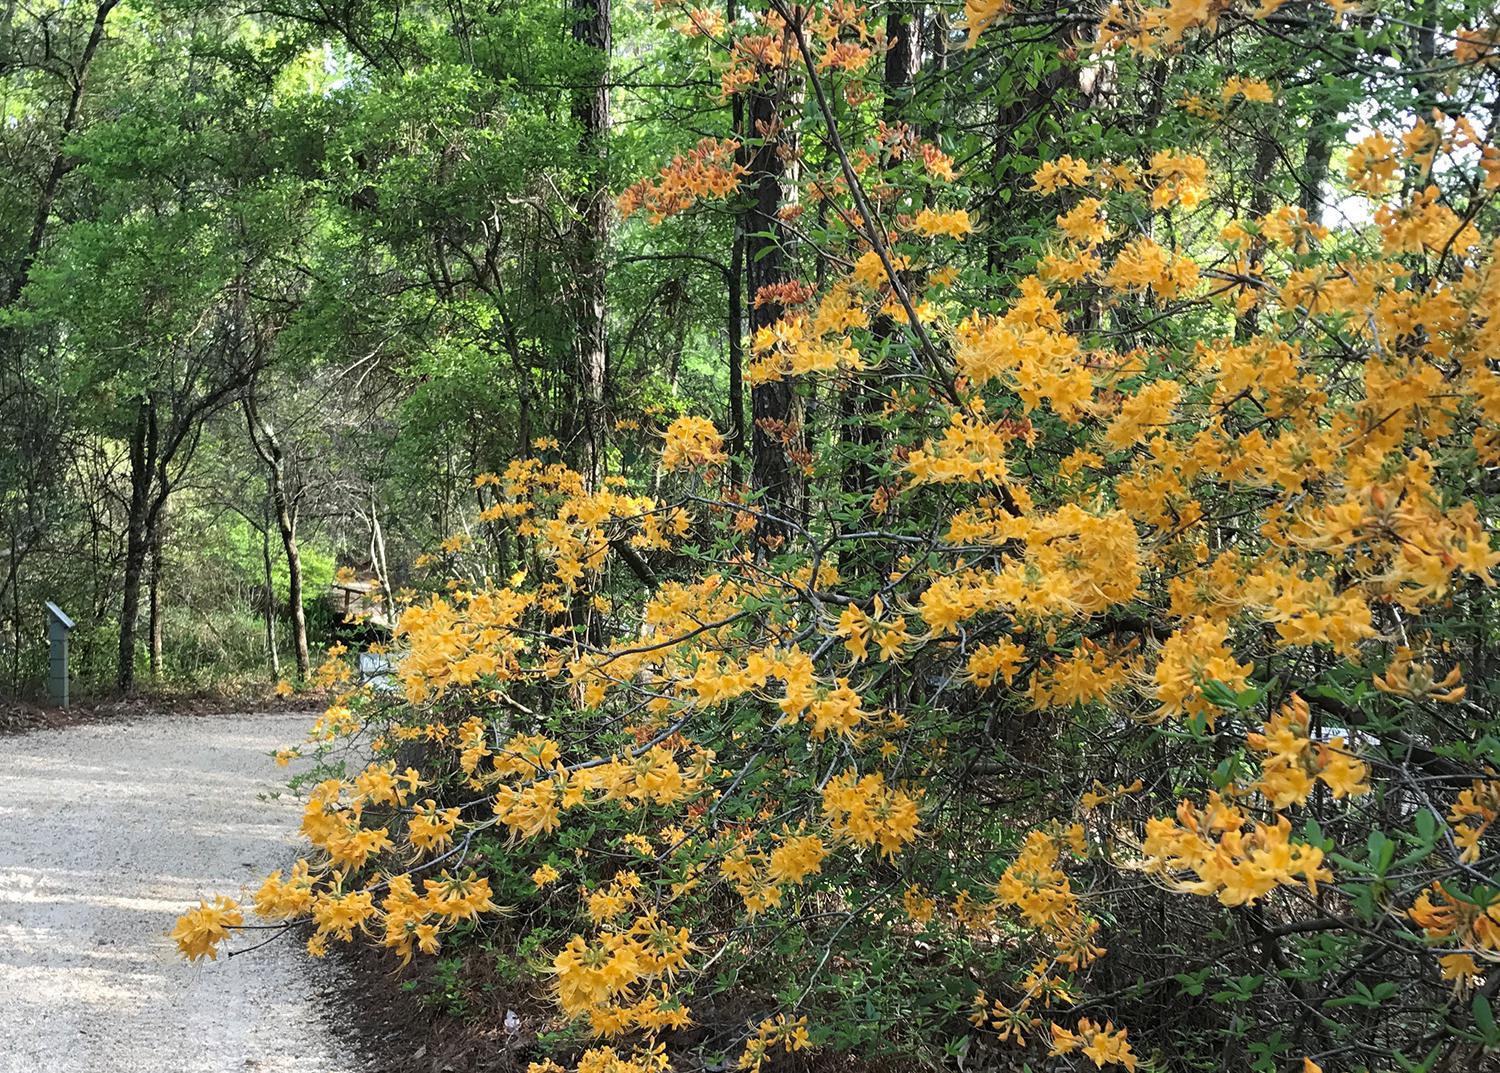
x,y
58,627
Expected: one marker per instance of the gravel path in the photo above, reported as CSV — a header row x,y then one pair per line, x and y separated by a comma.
x,y
106,832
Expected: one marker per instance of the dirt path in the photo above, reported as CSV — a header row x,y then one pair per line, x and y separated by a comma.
x,y
106,832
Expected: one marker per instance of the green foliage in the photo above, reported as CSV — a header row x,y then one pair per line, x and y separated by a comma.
x,y
235,549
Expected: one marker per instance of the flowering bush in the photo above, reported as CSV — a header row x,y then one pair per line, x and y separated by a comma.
x,y
1119,716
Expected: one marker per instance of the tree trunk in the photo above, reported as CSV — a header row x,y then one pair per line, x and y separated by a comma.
x,y
736,288
1261,200
902,54
136,541
735,285
13,587
591,27
130,608
268,447
270,601
938,30
1323,133
378,564
771,472
294,591
154,596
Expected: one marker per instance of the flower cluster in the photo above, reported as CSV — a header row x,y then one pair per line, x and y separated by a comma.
x,y
710,170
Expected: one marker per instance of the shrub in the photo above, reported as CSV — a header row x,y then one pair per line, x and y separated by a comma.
x,y
1120,716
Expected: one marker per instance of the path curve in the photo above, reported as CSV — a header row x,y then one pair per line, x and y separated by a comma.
x,y
106,832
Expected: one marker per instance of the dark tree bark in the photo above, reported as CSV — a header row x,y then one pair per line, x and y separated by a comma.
x,y
155,628
735,285
13,587
938,29
1324,132
1032,95
1315,172
1261,199
591,28
771,471
143,443
902,55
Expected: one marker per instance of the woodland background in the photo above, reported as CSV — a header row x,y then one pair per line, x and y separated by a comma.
x,y
279,280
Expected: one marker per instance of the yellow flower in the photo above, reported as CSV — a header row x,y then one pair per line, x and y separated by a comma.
x,y
1192,657
1103,1045
1064,171
866,811
692,441
1086,223
918,906
200,931
954,224
284,899
430,828
1252,89
979,15
796,859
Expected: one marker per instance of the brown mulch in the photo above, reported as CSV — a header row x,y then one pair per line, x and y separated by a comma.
x,y
21,716
395,1031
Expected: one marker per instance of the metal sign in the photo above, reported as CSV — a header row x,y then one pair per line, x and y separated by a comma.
x,y
58,627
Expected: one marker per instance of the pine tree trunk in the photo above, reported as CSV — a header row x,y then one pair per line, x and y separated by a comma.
x,y
771,472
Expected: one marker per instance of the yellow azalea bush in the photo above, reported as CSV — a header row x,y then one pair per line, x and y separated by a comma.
x,y
1120,713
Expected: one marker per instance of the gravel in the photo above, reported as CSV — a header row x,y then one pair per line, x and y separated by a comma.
x,y
107,832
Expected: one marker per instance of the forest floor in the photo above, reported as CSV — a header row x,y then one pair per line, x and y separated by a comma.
x,y
108,830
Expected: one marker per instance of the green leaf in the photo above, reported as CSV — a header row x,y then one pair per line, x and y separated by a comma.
x,y
1426,825
1484,1019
